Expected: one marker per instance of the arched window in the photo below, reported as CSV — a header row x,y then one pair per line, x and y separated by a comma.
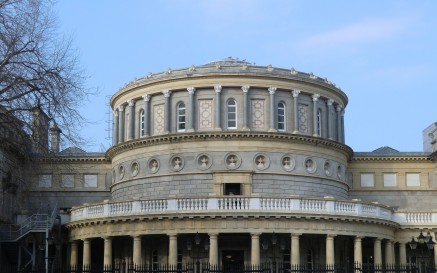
x,y
142,125
281,117
319,122
181,121
231,114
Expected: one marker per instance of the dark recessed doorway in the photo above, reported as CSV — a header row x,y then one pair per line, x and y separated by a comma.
x,y
232,259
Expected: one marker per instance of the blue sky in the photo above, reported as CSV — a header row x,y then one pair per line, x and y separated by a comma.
x,y
382,54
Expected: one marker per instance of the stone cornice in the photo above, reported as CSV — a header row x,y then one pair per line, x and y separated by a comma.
x,y
227,215
220,75
391,158
235,135
71,159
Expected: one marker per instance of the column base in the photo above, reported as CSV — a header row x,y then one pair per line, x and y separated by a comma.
x,y
272,130
245,129
218,129
295,132
190,130
316,135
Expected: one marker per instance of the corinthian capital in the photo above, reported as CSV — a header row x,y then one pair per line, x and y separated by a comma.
x,y
131,102
218,88
146,98
295,93
191,90
338,108
272,90
315,97
329,102
121,108
166,93
245,88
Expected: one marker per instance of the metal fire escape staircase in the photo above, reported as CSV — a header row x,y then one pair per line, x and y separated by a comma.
x,y
36,223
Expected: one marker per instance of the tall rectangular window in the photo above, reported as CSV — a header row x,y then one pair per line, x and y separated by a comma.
x,y
142,125
181,117
281,117
231,112
319,122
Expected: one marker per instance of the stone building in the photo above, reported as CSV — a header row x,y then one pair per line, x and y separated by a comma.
x,y
232,163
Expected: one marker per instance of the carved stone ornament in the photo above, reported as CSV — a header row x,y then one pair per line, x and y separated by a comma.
x,y
310,165
327,168
176,163
293,71
288,163
261,162
121,172
135,169
203,161
232,161
270,67
153,165
339,172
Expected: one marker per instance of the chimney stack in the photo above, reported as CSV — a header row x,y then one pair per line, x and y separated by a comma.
x,y
40,130
55,133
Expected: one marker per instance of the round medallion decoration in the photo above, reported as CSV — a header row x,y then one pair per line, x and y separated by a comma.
x,y
176,163
135,169
261,162
121,172
310,165
288,163
153,165
203,161
232,161
327,168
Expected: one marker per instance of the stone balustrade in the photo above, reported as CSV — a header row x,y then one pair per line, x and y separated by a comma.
x,y
292,205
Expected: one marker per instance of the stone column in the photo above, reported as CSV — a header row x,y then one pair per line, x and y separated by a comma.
x,y
121,124
377,254
329,104
315,99
358,254
213,249
342,126
339,132
245,89
330,258
435,254
167,111
295,94
136,259
107,252
402,253
172,249
255,256
73,254
272,91
115,128
146,115
388,253
131,121
295,249
86,252
190,127
218,90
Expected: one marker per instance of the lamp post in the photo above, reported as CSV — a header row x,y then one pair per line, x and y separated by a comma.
x,y
195,251
423,242
274,242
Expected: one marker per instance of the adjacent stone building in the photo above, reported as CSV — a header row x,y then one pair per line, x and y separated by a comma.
x,y
246,163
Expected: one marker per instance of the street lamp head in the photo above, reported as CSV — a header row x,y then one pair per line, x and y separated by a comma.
x,y
421,238
430,244
197,239
413,243
189,245
274,239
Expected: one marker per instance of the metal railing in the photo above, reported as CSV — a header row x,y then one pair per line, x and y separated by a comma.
x,y
34,223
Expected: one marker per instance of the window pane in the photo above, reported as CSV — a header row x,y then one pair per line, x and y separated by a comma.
x,y
413,180
67,180
90,181
45,180
367,180
390,180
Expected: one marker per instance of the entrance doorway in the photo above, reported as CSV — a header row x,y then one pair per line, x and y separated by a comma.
x,y
232,259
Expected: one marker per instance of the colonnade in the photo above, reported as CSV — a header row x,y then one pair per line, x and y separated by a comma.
x,y
124,115
255,251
